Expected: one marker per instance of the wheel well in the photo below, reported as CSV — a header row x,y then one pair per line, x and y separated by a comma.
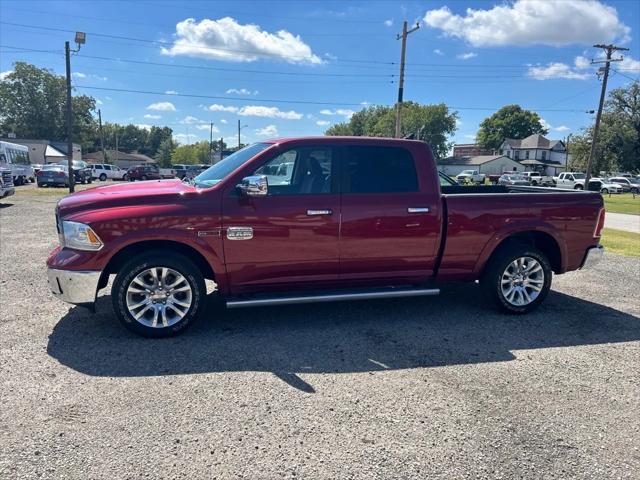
x,y
540,240
134,249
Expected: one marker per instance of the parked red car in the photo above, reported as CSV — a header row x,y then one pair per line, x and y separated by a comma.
x,y
315,219
144,172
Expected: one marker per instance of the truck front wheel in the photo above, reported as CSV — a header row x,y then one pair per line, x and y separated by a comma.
x,y
158,294
518,278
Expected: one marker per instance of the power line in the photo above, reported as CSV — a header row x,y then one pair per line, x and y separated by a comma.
x,y
271,100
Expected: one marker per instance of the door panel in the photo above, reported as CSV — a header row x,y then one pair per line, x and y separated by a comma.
x,y
387,232
294,229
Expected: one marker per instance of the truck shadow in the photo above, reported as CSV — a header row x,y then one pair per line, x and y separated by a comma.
x,y
455,328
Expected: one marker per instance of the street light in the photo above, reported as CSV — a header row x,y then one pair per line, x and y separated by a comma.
x,y
240,128
80,40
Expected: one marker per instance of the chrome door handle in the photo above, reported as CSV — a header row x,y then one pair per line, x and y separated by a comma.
x,y
312,213
418,210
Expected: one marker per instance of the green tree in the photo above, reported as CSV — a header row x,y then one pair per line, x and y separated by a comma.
x,y
511,121
194,153
165,152
155,138
33,102
618,147
433,124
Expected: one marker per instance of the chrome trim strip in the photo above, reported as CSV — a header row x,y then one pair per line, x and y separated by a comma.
x,y
338,297
74,286
319,212
418,210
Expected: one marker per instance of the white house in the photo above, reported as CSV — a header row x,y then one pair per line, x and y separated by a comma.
x,y
537,153
487,164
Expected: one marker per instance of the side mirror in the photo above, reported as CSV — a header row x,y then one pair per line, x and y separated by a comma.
x,y
254,186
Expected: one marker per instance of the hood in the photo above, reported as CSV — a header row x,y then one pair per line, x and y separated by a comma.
x,y
135,193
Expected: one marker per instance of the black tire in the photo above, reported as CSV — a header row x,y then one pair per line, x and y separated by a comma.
x,y
125,178
90,180
578,187
604,191
634,190
158,258
534,183
102,177
143,177
492,278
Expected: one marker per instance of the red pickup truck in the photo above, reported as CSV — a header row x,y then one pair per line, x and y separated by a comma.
x,y
315,219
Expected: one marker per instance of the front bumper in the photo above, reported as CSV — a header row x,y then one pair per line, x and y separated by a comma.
x,y
77,287
593,257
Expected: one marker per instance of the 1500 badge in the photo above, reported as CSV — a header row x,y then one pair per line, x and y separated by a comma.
x,y
239,233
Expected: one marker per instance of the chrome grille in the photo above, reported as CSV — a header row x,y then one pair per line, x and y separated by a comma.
x,y
7,179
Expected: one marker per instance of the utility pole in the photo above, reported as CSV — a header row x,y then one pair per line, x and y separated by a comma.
x,y
566,152
116,135
609,49
80,40
211,143
403,36
104,154
72,178
238,134
221,147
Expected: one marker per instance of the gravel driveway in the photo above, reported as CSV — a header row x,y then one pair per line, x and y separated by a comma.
x,y
438,387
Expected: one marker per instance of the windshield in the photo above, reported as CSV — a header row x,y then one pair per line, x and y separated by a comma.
x,y
54,167
579,176
220,170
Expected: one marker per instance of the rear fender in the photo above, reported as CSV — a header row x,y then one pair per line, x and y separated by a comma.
x,y
513,229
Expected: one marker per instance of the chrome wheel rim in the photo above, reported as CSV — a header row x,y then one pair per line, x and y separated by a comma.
x,y
159,297
522,281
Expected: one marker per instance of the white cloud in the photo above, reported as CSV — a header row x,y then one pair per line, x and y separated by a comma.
x,y
99,102
144,126
628,63
90,75
533,22
466,56
152,117
558,70
162,107
189,120
221,108
226,39
223,121
582,62
345,112
171,92
323,123
242,91
437,51
207,127
185,138
269,112
388,23
5,74
560,128
268,131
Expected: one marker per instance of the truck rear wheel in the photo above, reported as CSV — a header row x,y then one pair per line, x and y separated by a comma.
x,y
158,294
518,278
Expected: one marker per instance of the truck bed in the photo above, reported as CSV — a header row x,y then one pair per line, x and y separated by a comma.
x,y
479,218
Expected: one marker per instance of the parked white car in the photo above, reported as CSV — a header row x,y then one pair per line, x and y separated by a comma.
x,y
536,179
570,180
103,171
605,186
470,176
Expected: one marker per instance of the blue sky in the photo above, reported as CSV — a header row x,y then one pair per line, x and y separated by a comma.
x,y
326,58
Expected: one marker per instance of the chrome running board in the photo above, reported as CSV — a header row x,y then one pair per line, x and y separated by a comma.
x,y
333,297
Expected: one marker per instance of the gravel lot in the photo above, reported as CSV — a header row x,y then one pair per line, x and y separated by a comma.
x,y
421,388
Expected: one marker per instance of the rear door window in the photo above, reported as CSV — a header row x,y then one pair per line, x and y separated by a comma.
x,y
378,170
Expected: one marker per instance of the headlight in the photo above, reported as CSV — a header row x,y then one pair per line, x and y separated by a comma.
x,y
79,237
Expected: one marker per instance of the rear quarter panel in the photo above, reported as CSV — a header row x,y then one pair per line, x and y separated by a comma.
x,y
478,223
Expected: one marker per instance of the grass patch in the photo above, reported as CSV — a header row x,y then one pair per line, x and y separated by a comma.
x,y
623,203
622,243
